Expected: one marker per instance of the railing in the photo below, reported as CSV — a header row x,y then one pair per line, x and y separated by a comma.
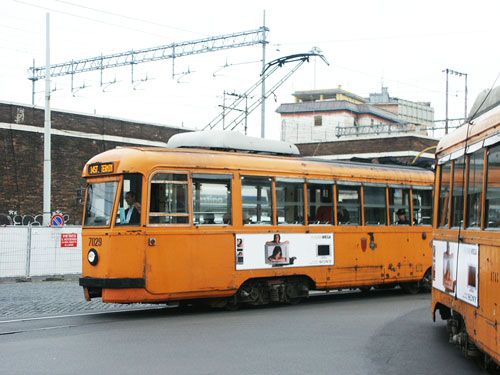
x,y
29,251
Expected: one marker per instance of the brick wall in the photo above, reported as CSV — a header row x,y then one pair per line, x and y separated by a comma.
x,y
370,146
21,156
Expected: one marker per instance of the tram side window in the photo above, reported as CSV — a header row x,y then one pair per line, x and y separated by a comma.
x,y
129,206
375,205
257,200
290,201
320,203
399,205
211,199
492,211
422,206
457,196
168,202
444,194
475,189
348,204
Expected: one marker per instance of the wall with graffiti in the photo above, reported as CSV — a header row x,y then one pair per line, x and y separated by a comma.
x,y
13,218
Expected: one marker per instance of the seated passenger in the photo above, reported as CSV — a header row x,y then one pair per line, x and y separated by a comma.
x,y
209,219
402,220
342,215
324,215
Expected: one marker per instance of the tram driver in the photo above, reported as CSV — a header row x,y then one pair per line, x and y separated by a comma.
x,y
133,212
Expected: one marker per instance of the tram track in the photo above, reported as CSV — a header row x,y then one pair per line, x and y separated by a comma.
x,y
43,323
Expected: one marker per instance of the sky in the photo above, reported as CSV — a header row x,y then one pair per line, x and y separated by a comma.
x,y
402,45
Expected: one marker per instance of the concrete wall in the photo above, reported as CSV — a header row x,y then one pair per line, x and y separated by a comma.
x,y
27,251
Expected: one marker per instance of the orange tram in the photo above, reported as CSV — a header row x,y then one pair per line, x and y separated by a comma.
x,y
172,225
466,262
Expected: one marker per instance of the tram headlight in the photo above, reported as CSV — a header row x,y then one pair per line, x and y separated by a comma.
x,y
92,256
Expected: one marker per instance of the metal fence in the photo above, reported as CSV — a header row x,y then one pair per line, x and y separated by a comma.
x,y
27,251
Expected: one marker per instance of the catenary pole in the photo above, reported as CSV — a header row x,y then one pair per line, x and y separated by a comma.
x,y
263,105
47,170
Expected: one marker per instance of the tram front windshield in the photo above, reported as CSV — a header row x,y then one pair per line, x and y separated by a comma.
x,y
100,198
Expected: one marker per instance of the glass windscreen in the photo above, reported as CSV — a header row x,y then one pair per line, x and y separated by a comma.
x,y
100,198
129,210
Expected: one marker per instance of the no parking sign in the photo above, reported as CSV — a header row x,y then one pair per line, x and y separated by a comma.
x,y
57,221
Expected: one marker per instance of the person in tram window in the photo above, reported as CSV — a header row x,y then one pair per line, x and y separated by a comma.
x,y
133,212
342,215
246,218
209,218
402,220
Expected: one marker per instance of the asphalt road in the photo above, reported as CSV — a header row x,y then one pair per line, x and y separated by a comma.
x,y
384,332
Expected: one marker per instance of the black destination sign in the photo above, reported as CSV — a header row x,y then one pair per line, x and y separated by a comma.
x,y
101,168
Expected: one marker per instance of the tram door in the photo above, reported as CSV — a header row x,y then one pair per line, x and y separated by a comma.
x,y
183,256
128,242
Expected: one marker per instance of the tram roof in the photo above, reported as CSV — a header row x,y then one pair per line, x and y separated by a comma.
x,y
484,122
231,141
147,159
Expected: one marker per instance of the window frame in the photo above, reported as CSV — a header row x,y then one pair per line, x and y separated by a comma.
x,y
216,177
443,221
300,204
188,200
358,206
272,199
318,205
486,208
371,205
482,192
393,208
430,208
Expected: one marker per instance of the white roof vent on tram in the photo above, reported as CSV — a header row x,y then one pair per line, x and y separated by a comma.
x,y
231,141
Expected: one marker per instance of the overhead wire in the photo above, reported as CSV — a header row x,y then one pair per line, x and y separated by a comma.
x,y
128,17
87,18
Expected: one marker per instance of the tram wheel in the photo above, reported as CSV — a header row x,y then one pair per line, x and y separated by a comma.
x,y
426,283
231,304
365,289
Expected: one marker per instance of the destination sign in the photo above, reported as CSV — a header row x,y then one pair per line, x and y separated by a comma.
x,y
101,168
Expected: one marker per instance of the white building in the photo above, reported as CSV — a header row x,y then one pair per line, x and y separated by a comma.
x,y
336,114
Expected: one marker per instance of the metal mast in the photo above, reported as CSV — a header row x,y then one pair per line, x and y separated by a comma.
x,y
47,163
268,70
170,51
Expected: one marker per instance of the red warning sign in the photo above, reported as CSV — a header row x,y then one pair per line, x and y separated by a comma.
x,y
69,239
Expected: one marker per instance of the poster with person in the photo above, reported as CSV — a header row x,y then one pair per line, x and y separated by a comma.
x,y
271,250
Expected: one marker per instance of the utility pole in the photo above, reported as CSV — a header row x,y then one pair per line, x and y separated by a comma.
x,y
446,113
47,167
263,86
465,114
449,71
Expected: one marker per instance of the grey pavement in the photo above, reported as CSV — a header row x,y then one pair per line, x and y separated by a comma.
x,y
38,298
